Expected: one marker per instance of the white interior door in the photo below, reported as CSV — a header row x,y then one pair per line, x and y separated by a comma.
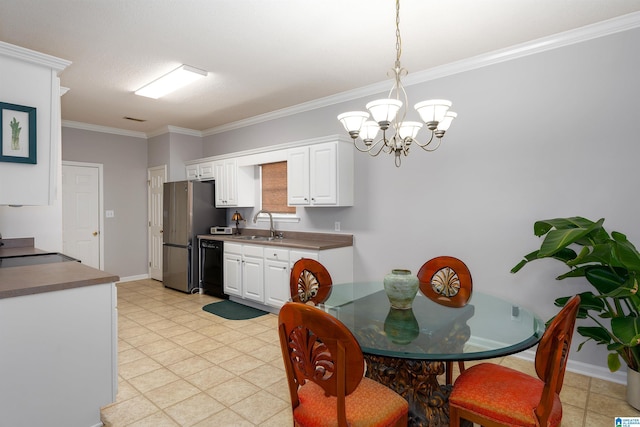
x,y
157,176
81,212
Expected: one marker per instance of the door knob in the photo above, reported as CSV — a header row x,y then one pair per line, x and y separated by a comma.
x,y
95,233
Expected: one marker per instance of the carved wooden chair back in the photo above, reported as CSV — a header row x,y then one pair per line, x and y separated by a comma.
x,y
447,281
310,282
319,350
495,395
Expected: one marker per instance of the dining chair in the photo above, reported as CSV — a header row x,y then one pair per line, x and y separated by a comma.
x,y
447,281
310,282
495,395
325,367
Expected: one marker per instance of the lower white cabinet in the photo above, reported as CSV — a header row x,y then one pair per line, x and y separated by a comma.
x,y
253,273
260,273
232,268
276,276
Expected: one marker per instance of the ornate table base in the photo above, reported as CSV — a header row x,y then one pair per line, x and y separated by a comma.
x,y
417,382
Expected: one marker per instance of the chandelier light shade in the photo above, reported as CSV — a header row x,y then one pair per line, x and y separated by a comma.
x,y
388,115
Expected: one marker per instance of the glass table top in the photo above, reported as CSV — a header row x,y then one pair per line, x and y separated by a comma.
x,y
486,327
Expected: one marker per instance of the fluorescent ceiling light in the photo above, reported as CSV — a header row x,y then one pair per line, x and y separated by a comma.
x,y
181,76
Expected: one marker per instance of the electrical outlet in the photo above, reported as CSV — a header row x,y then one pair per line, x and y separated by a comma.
x,y
337,225
109,214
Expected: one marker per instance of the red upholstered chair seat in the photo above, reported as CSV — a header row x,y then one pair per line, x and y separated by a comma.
x,y
494,395
363,406
503,395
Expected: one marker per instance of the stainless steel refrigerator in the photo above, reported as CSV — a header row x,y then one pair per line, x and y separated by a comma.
x,y
188,210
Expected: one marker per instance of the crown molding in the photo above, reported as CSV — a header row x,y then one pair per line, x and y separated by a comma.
x,y
174,129
102,129
34,57
578,35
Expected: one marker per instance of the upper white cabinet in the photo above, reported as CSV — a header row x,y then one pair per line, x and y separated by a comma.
x,y
30,79
235,185
200,171
320,175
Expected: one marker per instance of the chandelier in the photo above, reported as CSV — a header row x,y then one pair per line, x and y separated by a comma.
x,y
389,117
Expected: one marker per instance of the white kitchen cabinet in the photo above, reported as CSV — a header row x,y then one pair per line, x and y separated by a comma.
x,y
253,273
200,171
320,175
30,79
276,276
232,269
235,186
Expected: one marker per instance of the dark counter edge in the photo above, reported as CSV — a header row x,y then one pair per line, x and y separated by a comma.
x,y
292,239
41,278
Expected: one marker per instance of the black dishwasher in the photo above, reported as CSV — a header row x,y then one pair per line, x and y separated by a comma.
x,y
211,274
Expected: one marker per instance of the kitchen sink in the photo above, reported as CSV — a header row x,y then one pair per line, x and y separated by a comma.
x,y
257,238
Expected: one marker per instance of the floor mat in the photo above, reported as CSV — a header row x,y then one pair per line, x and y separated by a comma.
x,y
232,310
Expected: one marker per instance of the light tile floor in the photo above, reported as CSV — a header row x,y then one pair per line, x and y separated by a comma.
x,y
182,366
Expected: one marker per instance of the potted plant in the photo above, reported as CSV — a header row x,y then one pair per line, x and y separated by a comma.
x,y
611,264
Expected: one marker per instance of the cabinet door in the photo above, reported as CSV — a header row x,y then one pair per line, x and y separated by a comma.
x,y
205,171
192,172
253,278
231,182
221,192
232,274
276,283
298,176
323,174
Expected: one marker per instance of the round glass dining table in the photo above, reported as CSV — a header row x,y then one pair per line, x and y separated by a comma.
x,y
406,349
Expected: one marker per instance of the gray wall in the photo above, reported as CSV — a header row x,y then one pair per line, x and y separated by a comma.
x,y
548,135
125,192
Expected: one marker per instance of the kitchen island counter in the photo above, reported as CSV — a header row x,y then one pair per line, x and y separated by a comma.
x,y
35,279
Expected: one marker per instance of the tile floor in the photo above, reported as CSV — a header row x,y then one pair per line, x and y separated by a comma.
x,y
181,366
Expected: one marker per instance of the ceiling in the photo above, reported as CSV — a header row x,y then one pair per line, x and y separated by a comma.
x,y
263,55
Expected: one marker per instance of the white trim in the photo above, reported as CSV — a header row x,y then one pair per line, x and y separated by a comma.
x,y
578,35
34,57
588,370
175,129
133,278
100,202
102,129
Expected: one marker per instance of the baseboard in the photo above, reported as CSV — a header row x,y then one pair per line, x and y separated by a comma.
x,y
594,371
133,278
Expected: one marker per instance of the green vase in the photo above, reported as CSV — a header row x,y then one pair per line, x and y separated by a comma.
x,y
401,287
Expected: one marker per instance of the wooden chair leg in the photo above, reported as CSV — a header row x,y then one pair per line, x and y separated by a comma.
x,y
449,372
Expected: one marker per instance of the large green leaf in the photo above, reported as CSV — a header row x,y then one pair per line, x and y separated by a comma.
x,y
627,330
599,334
604,279
543,226
625,252
613,362
588,302
561,238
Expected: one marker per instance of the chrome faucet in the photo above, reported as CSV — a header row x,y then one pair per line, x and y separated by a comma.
x,y
272,231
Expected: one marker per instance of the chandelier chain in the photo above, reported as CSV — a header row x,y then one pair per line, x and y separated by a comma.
x,y
398,38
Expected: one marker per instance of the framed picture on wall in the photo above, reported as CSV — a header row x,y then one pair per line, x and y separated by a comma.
x,y
18,133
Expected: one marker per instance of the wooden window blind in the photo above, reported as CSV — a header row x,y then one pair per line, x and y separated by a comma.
x,y
274,188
